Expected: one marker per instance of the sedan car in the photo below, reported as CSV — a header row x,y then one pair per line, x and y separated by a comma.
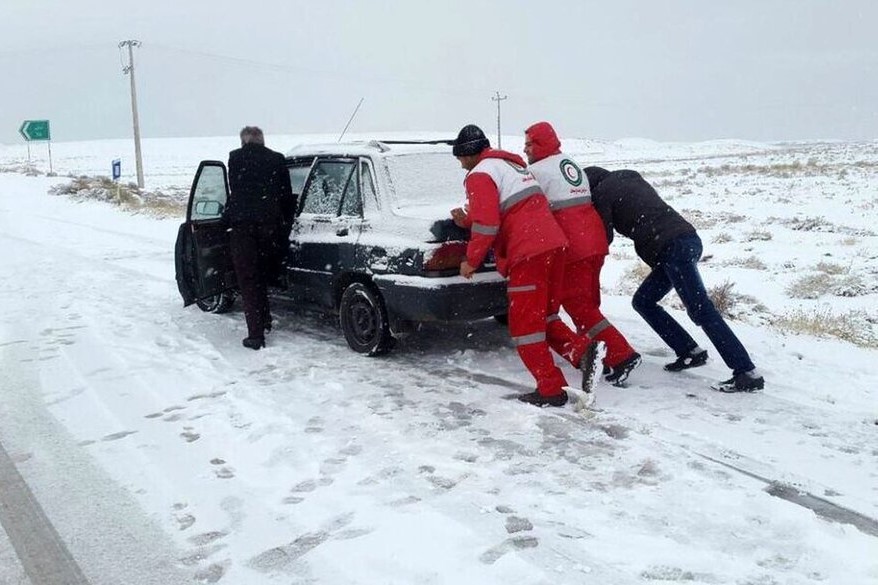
x,y
372,241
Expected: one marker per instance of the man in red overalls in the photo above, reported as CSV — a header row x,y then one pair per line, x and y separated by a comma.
x,y
567,190
507,211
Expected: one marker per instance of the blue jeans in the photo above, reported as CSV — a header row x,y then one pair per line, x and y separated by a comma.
x,y
678,268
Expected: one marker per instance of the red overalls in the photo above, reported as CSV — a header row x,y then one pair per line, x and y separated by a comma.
x,y
508,211
567,190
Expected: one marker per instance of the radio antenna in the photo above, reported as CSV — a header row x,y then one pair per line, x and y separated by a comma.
x,y
351,120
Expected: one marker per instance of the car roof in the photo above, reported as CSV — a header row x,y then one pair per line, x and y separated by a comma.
x,y
369,148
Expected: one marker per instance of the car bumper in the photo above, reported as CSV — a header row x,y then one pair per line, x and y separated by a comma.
x,y
451,298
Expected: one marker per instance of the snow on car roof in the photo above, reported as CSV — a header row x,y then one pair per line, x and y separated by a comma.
x,y
423,181
366,148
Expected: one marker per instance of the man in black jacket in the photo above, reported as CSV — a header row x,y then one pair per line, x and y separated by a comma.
x,y
671,247
260,215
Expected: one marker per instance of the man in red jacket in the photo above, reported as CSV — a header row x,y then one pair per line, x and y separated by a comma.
x,y
507,211
567,190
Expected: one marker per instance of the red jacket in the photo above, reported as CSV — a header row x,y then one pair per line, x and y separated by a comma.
x,y
508,211
567,190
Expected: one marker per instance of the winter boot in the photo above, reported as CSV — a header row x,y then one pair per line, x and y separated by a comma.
x,y
744,382
588,363
254,342
693,360
538,399
618,374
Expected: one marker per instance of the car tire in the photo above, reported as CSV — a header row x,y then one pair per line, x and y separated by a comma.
x,y
221,303
502,318
364,321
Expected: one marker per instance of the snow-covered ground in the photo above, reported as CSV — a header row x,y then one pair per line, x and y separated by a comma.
x,y
164,452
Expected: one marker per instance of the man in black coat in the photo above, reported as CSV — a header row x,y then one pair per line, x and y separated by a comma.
x,y
671,247
260,214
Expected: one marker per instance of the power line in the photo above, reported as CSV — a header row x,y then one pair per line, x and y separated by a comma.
x,y
326,73
56,49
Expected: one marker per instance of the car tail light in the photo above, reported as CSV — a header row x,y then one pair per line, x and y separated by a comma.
x,y
447,256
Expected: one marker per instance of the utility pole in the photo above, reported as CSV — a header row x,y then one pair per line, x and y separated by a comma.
x,y
129,70
497,98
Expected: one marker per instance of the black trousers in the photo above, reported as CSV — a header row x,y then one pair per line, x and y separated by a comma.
x,y
257,250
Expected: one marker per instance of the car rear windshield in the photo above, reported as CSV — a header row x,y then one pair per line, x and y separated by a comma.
x,y
427,185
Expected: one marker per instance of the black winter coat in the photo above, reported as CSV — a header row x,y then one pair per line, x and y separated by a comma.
x,y
630,205
260,187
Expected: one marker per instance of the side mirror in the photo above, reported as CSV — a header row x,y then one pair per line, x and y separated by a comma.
x,y
207,209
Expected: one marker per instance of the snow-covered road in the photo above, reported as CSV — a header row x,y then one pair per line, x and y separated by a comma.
x,y
164,452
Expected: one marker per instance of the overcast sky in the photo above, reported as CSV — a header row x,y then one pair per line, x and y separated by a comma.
x,y
680,70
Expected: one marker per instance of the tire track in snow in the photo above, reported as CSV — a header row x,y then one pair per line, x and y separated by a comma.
x,y
42,552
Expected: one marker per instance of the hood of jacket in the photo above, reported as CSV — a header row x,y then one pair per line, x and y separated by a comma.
x,y
502,154
544,140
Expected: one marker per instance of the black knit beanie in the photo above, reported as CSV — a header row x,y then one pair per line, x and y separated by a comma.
x,y
470,140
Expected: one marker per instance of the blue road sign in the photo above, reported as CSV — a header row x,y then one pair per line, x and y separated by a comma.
x,y
117,169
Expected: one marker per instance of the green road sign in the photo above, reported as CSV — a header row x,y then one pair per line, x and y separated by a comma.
x,y
35,130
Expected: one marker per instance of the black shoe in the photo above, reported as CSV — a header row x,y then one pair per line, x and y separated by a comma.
x,y
688,361
538,399
618,374
588,363
743,382
254,342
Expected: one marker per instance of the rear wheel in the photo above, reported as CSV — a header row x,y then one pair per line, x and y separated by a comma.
x,y
364,321
220,303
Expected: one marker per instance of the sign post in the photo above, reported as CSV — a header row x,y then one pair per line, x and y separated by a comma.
x,y
117,173
34,131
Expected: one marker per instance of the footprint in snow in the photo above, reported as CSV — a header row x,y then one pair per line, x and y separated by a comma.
x,y
305,486
466,457
517,524
351,450
444,483
207,537
676,574
117,436
195,397
332,466
282,557
406,501
184,521
189,435
201,554
212,573
315,425
493,554
384,474
616,431
224,472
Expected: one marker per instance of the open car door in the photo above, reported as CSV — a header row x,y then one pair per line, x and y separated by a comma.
x,y
202,255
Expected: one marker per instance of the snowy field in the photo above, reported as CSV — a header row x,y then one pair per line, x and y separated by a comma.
x,y
163,452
